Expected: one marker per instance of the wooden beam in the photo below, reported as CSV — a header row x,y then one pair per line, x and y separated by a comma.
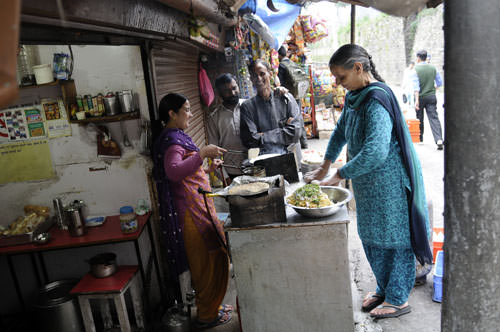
x,y
355,2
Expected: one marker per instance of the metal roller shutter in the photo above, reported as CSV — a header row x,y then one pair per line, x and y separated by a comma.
x,y
175,69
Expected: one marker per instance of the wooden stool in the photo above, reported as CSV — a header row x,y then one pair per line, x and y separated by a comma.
x,y
112,287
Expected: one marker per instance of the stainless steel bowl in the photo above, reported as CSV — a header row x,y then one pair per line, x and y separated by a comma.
x,y
41,238
339,195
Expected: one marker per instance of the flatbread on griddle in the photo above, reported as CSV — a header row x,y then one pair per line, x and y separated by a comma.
x,y
253,188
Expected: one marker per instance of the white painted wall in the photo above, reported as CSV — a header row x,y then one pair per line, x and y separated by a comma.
x,y
96,69
123,182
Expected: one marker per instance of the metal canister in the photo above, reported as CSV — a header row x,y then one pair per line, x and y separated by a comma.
x,y
75,218
126,102
59,211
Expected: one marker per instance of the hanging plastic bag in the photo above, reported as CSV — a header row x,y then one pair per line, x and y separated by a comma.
x,y
314,30
206,91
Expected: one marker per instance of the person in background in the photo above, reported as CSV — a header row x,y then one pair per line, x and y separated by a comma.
x,y
286,80
269,122
193,233
224,124
425,80
392,217
408,85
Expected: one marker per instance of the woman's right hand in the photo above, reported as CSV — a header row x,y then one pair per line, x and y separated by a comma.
x,y
211,151
319,173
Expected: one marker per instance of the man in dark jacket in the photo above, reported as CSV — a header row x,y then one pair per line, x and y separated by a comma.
x,y
425,81
269,122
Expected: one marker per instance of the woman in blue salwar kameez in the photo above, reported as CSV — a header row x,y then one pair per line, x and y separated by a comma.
x,y
392,217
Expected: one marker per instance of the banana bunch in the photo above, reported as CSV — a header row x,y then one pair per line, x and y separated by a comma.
x,y
198,27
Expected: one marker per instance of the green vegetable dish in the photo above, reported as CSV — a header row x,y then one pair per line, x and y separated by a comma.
x,y
309,196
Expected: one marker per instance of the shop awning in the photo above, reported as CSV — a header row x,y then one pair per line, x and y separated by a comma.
x,y
392,7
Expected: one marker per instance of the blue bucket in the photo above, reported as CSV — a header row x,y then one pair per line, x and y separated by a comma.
x,y
437,293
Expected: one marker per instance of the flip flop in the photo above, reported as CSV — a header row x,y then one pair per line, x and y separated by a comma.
x,y
222,318
226,308
399,311
374,304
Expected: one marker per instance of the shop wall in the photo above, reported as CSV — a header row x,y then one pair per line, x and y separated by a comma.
x,y
383,38
122,181
116,183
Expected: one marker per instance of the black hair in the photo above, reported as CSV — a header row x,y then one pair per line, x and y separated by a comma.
x,y
172,101
422,55
259,61
282,51
348,54
222,80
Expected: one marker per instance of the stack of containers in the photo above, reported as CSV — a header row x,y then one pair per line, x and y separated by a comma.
x,y
437,293
414,126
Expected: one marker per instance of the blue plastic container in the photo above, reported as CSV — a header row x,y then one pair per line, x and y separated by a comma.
x,y
437,293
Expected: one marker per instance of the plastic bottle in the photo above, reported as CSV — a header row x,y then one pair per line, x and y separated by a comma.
x,y
128,220
25,66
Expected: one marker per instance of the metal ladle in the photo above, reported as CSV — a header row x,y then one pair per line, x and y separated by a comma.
x,y
126,142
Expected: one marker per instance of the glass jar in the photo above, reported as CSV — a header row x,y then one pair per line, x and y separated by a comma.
x,y
128,220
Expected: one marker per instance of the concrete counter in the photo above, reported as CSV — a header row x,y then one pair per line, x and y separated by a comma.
x,y
293,276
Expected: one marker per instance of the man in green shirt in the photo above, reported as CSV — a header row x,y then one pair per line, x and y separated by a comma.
x,y
425,81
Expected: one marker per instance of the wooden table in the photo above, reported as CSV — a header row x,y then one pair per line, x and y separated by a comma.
x,y
109,232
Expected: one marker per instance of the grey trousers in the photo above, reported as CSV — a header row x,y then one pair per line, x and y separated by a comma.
x,y
429,104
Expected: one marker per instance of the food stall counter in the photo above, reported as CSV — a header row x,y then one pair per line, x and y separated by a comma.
x,y
293,276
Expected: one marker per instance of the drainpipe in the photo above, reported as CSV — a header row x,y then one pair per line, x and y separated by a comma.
x,y
353,24
472,167
201,8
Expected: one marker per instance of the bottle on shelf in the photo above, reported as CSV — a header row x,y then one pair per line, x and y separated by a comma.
x,y
25,66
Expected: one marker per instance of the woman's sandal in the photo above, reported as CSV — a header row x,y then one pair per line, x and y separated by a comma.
x,y
398,311
222,318
226,308
378,301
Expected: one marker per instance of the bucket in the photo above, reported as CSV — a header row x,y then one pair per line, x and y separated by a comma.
x,y
437,241
43,74
437,288
56,310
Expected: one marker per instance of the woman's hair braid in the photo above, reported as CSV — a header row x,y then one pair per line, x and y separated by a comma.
x,y
349,54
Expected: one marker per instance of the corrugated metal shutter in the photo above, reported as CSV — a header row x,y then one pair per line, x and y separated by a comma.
x,y
175,69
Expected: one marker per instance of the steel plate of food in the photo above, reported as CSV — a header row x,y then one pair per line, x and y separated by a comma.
x,y
312,200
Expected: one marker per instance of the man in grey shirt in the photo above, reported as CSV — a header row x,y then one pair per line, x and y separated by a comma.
x,y
224,124
269,122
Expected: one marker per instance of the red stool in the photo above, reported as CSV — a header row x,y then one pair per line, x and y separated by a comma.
x,y
113,287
